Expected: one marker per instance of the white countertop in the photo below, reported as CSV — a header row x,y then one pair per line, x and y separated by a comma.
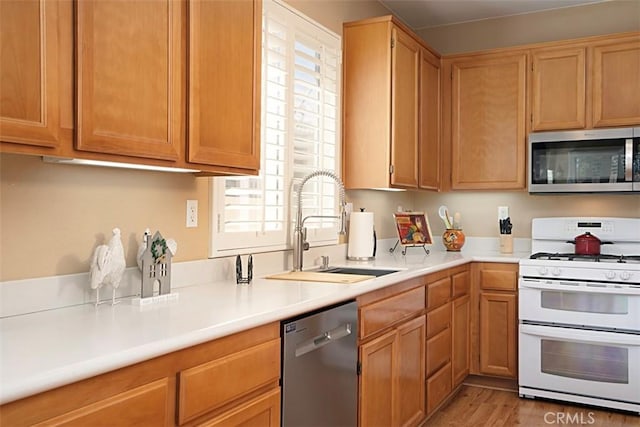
x,y
48,349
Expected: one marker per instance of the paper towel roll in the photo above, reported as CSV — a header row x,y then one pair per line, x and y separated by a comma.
x,y
361,236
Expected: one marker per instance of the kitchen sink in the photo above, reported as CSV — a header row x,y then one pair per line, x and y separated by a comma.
x,y
355,270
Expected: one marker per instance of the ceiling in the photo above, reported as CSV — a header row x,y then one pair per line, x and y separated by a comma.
x,y
420,14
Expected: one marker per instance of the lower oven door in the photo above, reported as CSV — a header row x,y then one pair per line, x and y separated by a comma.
x,y
595,364
579,303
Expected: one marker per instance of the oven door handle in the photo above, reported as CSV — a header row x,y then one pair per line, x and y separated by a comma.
x,y
582,335
584,287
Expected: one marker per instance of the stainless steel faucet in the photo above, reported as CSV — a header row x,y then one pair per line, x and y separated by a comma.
x,y
300,243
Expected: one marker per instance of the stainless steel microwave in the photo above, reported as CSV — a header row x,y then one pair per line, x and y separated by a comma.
x,y
596,160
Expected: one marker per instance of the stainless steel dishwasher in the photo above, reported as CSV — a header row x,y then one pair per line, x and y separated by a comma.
x,y
319,368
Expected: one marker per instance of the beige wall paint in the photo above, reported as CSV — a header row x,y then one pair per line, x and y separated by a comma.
x,y
573,22
332,13
479,210
52,216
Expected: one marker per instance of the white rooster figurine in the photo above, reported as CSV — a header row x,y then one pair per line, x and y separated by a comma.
x,y
107,265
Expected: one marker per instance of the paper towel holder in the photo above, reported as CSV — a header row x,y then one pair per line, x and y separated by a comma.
x,y
368,253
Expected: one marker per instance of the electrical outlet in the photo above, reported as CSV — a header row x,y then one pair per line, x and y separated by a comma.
x,y
503,212
348,208
192,213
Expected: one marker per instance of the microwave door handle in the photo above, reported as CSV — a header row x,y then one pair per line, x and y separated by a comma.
x,y
628,160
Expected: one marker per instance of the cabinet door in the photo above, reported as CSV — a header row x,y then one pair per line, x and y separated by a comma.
x,y
29,89
498,329
429,142
129,78
405,61
488,122
460,329
410,399
224,83
616,84
558,89
377,383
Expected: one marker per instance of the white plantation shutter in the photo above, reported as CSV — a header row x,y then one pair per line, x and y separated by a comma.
x,y
300,134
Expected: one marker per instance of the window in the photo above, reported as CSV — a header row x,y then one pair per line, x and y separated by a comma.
x,y
300,134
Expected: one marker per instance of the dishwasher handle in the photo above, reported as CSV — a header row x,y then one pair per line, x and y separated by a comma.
x,y
323,339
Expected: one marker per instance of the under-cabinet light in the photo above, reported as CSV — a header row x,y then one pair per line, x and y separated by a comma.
x,y
69,161
389,189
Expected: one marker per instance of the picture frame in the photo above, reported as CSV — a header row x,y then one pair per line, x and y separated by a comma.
x,y
413,229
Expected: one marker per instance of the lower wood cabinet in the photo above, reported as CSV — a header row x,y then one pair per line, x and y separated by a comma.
x,y
229,381
460,328
497,319
438,342
211,385
448,329
392,356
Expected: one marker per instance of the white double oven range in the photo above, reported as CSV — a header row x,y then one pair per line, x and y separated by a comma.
x,y
579,315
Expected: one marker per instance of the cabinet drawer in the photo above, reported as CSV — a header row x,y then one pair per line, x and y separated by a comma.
x,y
438,320
438,388
149,404
499,280
261,411
438,351
382,314
460,284
211,385
438,293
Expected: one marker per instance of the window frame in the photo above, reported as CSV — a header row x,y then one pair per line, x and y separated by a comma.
x,y
233,243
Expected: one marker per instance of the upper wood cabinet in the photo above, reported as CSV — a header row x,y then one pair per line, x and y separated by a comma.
x,y
138,68
29,65
129,74
429,121
224,83
558,88
487,118
405,62
586,84
616,82
385,69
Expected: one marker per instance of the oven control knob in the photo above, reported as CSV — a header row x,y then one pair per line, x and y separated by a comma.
x,y
610,274
625,275
542,271
556,271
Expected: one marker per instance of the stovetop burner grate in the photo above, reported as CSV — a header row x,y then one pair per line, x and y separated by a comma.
x,y
632,259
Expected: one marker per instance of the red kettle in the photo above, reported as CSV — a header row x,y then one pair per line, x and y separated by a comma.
x,y
588,244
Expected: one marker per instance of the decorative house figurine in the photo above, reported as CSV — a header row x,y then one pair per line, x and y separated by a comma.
x,y
143,246
156,266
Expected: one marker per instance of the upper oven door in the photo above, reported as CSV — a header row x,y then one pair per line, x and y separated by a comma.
x,y
600,160
578,303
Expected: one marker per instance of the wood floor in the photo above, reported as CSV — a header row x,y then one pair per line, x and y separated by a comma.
x,y
478,406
